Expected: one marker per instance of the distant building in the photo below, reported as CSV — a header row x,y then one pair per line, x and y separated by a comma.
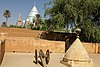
x,y
32,14
19,20
23,23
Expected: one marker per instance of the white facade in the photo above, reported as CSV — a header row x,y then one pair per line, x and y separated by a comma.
x,y
32,14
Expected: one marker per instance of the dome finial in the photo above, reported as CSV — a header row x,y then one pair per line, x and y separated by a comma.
x,y
78,30
34,3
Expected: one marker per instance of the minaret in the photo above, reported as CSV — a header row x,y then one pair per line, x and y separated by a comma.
x,y
19,21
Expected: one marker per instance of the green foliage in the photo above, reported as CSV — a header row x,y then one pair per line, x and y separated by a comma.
x,y
49,25
39,23
84,13
18,26
3,24
36,28
37,20
43,28
31,26
14,26
57,19
7,14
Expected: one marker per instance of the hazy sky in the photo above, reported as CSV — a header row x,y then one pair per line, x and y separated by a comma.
x,y
22,7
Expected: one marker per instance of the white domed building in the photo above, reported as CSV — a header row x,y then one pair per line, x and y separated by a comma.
x,y
32,14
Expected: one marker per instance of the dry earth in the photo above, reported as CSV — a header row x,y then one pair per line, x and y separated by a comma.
x,y
18,32
26,60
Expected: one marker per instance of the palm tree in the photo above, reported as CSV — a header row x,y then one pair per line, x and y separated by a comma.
x,y
37,20
6,14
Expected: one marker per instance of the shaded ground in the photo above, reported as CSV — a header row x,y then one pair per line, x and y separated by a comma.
x,y
26,60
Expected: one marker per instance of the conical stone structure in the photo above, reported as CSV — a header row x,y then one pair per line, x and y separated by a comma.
x,y
77,56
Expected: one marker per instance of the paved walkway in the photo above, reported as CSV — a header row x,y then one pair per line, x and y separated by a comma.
x,y
26,60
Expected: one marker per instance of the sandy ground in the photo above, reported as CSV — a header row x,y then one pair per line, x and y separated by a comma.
x,y
26,60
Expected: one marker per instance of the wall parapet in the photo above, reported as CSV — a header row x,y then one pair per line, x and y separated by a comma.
x,y
29,44
92,47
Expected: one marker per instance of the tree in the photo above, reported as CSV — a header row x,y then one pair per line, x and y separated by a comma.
x,y
55,17
37,22
3,24
84,14
37,19
6,14
77,10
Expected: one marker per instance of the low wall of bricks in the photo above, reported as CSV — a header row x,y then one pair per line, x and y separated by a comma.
x,y
99,49
28,44
92,47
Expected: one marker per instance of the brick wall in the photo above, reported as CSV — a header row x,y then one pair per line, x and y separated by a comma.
x,y
92,47
99,48
28,44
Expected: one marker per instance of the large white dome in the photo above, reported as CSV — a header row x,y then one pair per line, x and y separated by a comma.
x,y
32,14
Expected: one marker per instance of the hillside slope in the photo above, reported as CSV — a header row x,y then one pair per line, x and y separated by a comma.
x,y
17,32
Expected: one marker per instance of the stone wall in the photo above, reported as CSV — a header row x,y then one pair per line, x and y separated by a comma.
x,y
92,47
29,44
2,51
99,48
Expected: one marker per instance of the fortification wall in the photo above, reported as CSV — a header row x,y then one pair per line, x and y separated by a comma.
x,y
92,47
25,40
29,44
99,48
